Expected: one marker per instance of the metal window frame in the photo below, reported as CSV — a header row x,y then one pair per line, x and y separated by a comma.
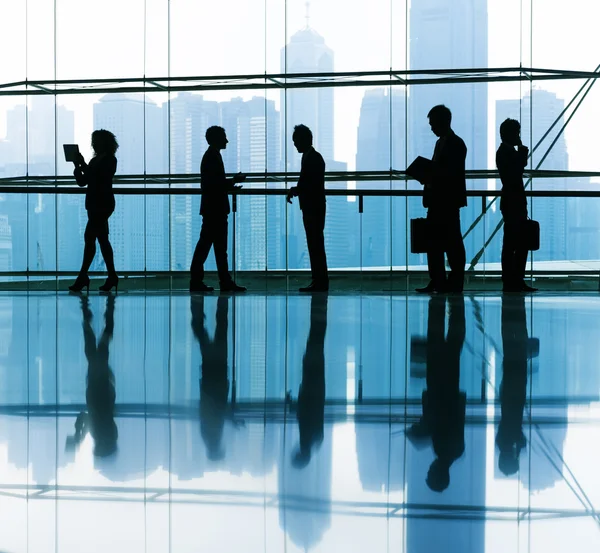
x,y
288,81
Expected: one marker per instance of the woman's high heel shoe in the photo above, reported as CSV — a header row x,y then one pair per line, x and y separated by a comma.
x,y
109,283
81,282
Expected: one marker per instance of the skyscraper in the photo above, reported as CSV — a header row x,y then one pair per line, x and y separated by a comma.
x,y
34,138
190,115
253,129
550,212
307,52
35,134
5,242
447,34
137,223
381,146
583,222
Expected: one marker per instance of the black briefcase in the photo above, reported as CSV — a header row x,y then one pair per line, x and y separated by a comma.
x,y
419,235
531,235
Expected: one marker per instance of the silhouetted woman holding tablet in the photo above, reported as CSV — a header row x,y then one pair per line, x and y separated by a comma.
x,y
97,175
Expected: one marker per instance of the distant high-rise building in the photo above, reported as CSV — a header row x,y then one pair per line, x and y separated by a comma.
x,y
35,134
253,129
550,212
33,146
139,227
5,242
447,34
583,222
381,146
307,53
190,115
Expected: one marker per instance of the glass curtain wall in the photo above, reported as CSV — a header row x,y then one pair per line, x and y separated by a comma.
x,y
356,128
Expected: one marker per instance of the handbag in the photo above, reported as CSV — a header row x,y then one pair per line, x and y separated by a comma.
x,y
531,235
419,235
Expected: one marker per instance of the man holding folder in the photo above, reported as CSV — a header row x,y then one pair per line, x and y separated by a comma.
x,y
445,193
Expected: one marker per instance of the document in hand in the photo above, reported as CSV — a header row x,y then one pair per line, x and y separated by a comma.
x,y
420,169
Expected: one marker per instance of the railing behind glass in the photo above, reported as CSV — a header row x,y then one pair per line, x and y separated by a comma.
x,y
156,223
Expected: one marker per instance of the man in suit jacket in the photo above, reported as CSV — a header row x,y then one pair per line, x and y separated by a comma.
x,y
513,205
445,193
311,194
214,208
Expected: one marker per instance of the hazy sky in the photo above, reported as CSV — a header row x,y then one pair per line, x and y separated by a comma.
x,y
241,36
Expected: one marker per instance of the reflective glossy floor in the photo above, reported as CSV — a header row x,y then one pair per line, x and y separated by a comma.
x,y
160,422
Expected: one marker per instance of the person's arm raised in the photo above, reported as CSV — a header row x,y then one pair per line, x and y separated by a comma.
x,y
79,171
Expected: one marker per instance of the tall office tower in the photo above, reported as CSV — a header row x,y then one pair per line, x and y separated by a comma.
x,y
34,138
446,34
545,108
253,129
342,224
380,146
4,156
307,53
139,226
13,207
35,135
190,115
5,228
5,241
583,222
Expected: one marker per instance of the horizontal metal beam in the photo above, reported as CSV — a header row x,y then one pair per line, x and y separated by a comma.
x,y
169,183
397,271
283,500
275,409
392,77
357,193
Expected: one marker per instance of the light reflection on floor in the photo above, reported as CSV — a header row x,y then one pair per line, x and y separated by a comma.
x,y
290,423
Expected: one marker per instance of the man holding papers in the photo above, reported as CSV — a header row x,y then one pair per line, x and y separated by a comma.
x,y
445,193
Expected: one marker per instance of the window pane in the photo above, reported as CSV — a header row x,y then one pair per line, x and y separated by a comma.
x,y
94,42
206,40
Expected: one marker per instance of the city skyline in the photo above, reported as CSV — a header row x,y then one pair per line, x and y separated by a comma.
x,y
172,139
371,418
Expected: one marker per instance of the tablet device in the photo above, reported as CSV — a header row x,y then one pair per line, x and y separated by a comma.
x,y
420,169
71,152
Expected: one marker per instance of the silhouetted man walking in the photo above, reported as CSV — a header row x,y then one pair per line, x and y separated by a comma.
x,y
513,205
214,208
445,193
311,194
